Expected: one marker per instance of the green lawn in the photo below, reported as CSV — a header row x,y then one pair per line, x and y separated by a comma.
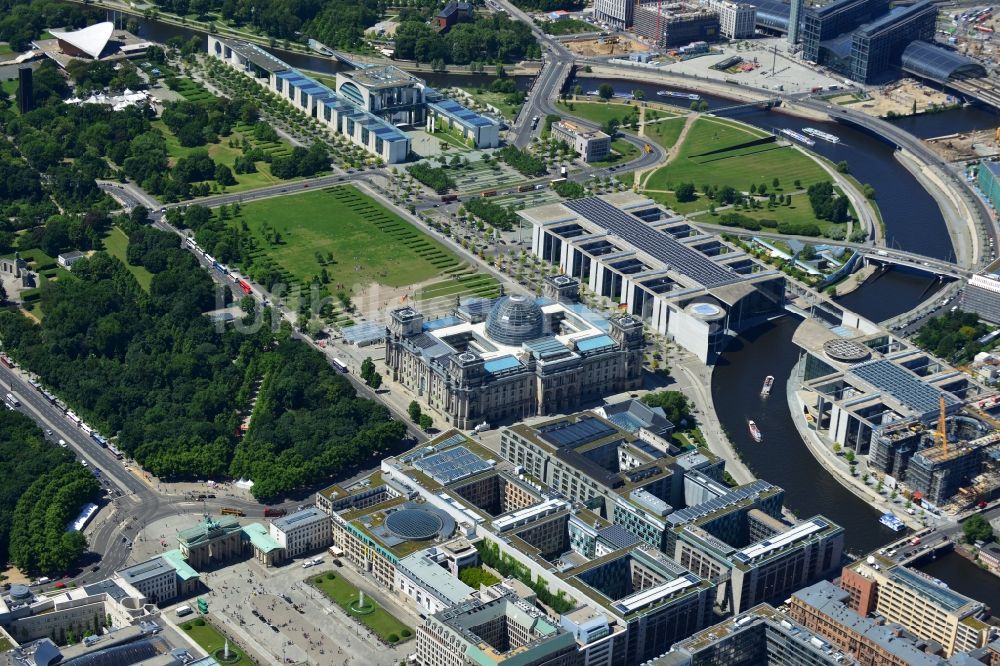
x,y
369,242
596,112
568,26
116,244
665,132
343,593
799,212
499,100
5,49
736,165
210,640
222,153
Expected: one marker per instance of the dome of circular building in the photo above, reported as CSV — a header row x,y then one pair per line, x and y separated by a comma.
x,y
515,319
20,592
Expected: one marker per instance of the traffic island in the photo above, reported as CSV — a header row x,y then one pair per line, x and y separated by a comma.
x,y
363,608
214,643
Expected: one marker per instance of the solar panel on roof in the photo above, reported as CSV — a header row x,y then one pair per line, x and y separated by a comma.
x,y
452,465
678,256
454,439
902,385
587,429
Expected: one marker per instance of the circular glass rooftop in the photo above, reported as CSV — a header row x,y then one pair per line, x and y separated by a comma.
x,y
705,309
846,351
515,319
413,524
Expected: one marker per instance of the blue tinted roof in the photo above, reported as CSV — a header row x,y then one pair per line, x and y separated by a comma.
x,y
501,364
453,109
546,347
565,433
590,344
902,384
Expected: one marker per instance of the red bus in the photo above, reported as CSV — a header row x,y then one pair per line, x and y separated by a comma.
x,y
6,361
245,286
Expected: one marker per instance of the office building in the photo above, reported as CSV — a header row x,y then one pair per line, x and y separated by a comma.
x,y
876,48
512,358
90,607
737,20
823,608
493,633
836,18
676,24
368,104
761,636
778,559
592,461
162,578
690,286
430,587
616,13
988,180
924,606
25,90
591,145
302,532
863,39
982,294
655,600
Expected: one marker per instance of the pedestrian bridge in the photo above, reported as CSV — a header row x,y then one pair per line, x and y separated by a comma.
x,y
912,260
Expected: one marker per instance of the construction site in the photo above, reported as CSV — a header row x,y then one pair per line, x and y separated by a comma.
x,y
953,463
981,144
614,45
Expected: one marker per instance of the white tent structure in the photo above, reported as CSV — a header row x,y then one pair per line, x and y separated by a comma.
x,y
90,40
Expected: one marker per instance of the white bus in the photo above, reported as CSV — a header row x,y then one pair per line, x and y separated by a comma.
x,y
184,610
340,365
11,401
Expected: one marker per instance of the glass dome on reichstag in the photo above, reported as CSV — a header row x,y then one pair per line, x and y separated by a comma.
x,y
515,319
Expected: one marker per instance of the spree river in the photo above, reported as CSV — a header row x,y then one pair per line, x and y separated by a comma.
x,y
913,222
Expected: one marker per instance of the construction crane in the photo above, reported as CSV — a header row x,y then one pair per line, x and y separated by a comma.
x,y
941,432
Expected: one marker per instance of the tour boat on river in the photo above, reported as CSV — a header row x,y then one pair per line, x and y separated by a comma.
x,y
755,432
765,390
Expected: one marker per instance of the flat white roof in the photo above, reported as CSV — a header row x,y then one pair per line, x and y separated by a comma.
x,y
91,40
548,506
654,594
800,531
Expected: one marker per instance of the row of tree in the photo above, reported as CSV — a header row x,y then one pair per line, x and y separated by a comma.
x,y
25,458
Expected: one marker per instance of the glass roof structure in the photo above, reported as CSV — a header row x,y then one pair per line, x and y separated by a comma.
x,y
515,319
902,385
464,116
452,465
938,63
929,588
658,245
583,431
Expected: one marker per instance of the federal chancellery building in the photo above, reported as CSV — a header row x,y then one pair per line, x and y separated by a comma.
x,y
369,106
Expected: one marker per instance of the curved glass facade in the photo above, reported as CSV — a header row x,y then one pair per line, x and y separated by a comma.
x,y
939,64
352,94
515,319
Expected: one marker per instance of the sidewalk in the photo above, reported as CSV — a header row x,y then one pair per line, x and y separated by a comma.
x,y
837,466
700,378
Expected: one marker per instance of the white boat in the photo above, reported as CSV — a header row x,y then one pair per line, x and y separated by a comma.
x,y
755,432
892,522
593,93
765,390
680,95
802,138
819,134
